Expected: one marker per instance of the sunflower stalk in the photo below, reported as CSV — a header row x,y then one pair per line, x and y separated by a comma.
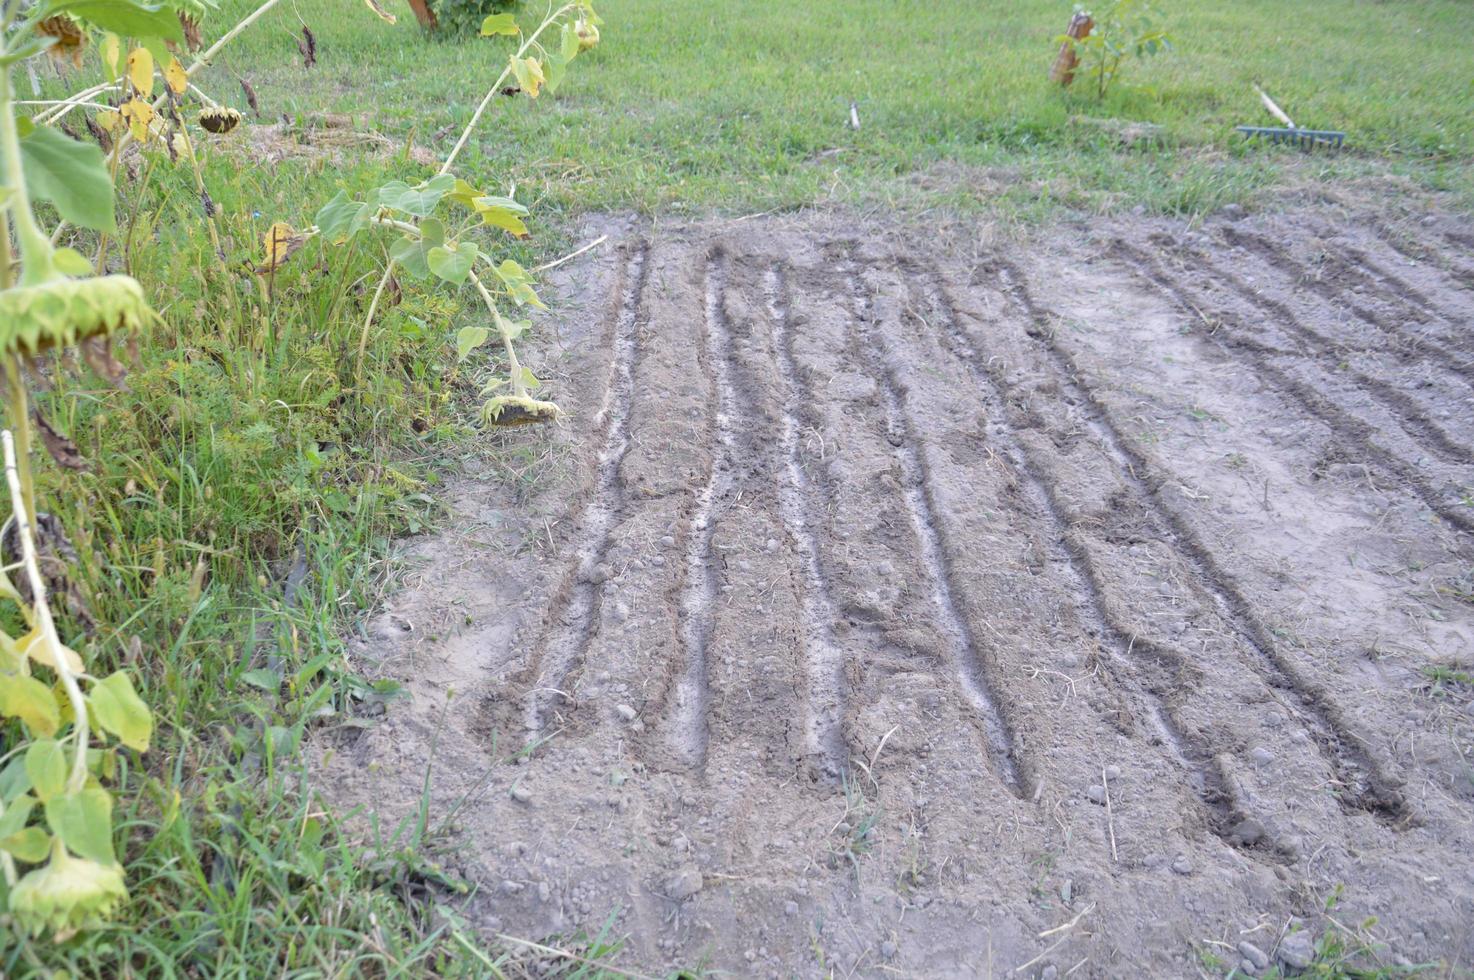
x,y
36,252
37,264
528,44
514,367
41,616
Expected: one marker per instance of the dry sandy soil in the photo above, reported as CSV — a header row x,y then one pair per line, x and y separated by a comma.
x,y
892,605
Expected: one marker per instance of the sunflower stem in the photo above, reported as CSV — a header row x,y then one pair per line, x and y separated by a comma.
x,y
35,247
41,611
18,406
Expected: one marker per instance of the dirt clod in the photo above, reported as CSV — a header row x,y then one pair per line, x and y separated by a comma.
x,y
1297,950
1254,955
684,883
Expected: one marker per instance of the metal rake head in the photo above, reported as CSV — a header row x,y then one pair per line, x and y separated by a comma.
x,y
1305,139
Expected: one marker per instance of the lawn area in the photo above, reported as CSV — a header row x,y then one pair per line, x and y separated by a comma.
x,y
243,492
691,106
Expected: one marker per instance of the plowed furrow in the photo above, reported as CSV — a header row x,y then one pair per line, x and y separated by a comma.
x,y
823,656
1280,258
1145,665
1421,254
1400,287
1347,427
1369,788
573,614
871,349
1327,353
688,729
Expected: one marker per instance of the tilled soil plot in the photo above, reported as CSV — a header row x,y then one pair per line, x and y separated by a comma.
x,y
1099,607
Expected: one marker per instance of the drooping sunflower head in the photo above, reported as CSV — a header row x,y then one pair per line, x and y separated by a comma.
x,y
70,40
66,893
509,410
191,13
62,312
219,119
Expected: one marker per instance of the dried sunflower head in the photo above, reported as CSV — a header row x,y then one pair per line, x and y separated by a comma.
x,y
61,312
66,893
219,119
191,28
191,14
70,40
510,410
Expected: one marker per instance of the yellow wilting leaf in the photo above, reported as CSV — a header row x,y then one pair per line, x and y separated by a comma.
x,y
46,651
141,70
281,242
31,701
112,52
110,120
12,657
463,194
529,72
176,77
138,115
380,12
505,220
120,710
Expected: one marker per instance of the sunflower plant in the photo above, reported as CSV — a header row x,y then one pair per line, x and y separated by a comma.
x,y
432,222
64,725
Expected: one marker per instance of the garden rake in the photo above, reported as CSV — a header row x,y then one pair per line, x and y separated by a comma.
x,y
1305,139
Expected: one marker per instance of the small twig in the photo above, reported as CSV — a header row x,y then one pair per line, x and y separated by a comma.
x,y
56,102
73,101
1110,817
883,739
1034,672
473,951
1068,925
571,255
1053,946
565,954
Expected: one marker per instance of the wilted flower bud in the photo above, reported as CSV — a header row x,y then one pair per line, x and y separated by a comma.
x,y
588,34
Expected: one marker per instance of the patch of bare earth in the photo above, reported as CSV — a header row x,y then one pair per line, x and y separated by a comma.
x,y
888,608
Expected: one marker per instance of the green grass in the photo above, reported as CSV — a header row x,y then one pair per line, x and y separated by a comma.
x,y
246,449
1443,679
241,449
689,106
244,458
1341,951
